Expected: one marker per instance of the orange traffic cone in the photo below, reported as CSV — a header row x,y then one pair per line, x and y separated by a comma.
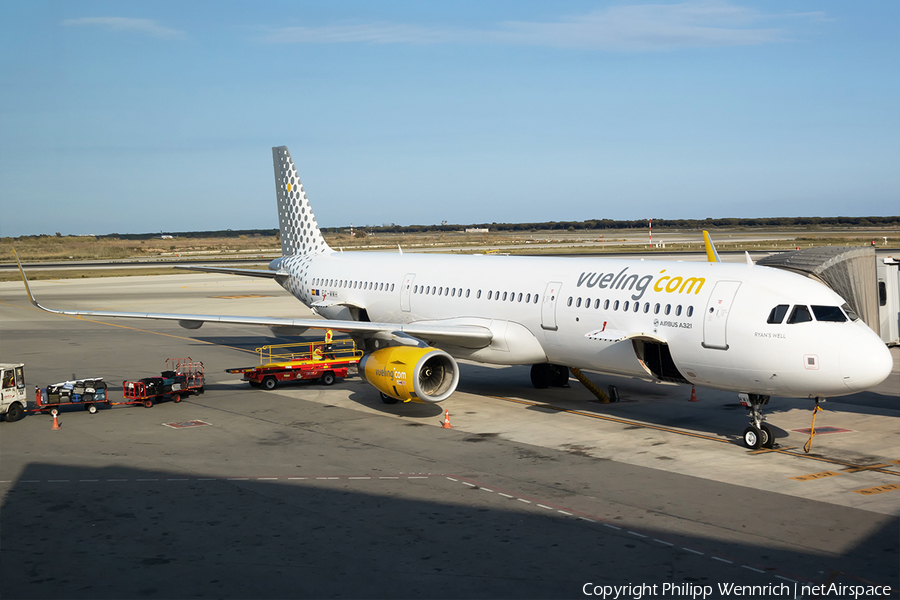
x,y
693,394
447,424
56,424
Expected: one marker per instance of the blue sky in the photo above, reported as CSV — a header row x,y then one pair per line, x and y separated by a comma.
x,y
148,116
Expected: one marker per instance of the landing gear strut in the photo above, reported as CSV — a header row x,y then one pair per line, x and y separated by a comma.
x,y
758,434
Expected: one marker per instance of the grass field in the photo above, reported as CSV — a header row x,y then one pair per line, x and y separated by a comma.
x,y
36,249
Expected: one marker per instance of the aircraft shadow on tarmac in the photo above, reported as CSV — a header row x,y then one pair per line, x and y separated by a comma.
x,y
716,413
118,532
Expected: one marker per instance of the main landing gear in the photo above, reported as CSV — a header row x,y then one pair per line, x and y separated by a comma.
x,y
544,375
758,435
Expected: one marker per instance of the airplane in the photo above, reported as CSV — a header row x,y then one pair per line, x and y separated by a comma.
x,y
745,328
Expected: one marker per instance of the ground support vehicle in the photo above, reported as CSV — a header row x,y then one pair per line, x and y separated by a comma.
x,y
323,361
81,392
182,377
13,402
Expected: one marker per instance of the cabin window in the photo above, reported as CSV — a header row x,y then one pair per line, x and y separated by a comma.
x,y
606,304
777,314
690,311
668,308
490,295
535,298
520,296
850,312
504,296
625,305
468,291
656,309
678,311
392,287
569,302
415,289
616,305
637,306
528,299
453,293
578,303
800,314
646,307
829,313
478,295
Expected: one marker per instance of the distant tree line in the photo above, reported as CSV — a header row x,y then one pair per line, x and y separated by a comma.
x,y
600,224
591,224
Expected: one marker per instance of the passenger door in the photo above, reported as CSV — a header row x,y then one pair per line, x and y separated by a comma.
x,y
406,291
548,306
715,320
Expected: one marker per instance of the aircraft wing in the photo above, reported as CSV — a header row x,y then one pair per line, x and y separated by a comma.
x,y
234,271
468,336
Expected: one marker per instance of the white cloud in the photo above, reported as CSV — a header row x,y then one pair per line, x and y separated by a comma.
x,y
642,27
145,26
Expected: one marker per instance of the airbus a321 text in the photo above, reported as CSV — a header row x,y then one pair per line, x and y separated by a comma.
x,y
754,330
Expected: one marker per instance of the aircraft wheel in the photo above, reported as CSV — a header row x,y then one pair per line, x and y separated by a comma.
x,y
541,375
560,377
388,399
753,437
768,437
269,383
327,378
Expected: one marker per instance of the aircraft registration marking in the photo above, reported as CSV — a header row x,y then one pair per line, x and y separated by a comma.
x,y
814,476
879,489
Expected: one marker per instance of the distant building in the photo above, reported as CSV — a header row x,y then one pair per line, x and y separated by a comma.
x,y
477,230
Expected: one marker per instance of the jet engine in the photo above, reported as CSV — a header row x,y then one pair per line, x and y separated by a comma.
x,y
406,373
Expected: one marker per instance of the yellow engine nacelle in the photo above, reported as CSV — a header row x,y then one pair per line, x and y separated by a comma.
x,y
407,373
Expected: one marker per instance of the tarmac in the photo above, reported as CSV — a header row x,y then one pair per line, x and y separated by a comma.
x,y
309,491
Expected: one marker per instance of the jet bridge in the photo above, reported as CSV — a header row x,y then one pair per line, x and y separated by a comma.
x,y
848,271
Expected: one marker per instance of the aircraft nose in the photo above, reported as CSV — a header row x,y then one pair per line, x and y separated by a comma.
x,y
865,362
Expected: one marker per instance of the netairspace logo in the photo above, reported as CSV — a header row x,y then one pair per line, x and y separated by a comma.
x,y
728,590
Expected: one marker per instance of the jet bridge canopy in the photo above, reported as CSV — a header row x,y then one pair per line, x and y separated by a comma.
x,y
848,271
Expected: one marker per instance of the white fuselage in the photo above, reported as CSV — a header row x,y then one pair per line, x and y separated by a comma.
x,y
711,316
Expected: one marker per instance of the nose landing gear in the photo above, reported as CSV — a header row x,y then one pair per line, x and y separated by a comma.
x,y
758,434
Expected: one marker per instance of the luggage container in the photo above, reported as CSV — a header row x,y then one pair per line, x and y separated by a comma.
x,y
86,392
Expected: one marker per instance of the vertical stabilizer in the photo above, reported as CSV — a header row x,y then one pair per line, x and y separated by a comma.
x,y
300,233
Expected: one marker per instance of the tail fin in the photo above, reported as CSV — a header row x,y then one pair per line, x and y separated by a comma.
x,y
300,233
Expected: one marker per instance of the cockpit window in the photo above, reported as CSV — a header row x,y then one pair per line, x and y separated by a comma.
x,y
777,314
850,312
828,313
800,314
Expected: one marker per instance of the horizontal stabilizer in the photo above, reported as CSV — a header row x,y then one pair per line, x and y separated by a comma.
x,y
234,271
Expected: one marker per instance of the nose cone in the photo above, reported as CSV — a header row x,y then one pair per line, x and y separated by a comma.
x,y
865,362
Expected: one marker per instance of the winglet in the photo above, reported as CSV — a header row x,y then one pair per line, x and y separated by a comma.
x,y
711,254
25,280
